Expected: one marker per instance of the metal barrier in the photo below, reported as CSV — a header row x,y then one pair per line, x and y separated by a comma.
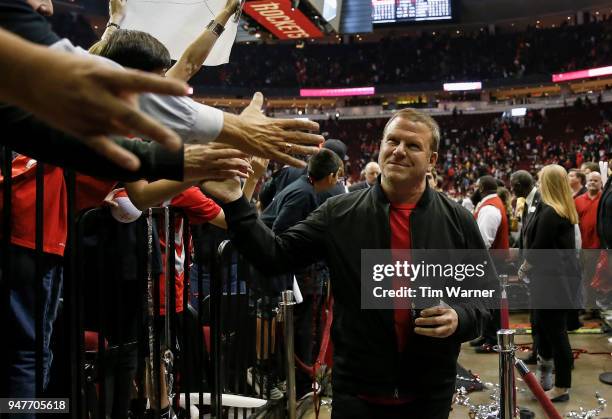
x,y
287,304
110,333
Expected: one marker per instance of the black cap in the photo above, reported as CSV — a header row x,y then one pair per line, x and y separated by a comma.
x,y
337,147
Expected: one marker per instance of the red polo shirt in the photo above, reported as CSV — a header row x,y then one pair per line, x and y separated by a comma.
x,y
587,213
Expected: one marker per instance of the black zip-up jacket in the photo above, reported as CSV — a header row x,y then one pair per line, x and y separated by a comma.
x,y
604,216
366,360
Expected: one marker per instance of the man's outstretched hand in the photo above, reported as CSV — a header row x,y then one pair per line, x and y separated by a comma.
x,y
83,97
271,138
215,161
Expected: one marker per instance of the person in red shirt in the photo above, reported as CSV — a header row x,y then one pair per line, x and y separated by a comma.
x,y
586,206
23,281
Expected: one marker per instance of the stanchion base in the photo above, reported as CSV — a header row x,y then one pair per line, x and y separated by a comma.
x,y
606,378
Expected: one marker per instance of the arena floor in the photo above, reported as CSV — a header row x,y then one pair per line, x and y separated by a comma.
x,y
585,377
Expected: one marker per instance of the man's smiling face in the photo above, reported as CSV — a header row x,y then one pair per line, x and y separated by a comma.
x,y
405,151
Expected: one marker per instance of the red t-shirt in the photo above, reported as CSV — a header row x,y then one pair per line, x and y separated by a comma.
x,y
199,209
23,206
90,192
399,220
587,213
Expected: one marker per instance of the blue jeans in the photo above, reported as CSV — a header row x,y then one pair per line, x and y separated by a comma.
x,y
21,287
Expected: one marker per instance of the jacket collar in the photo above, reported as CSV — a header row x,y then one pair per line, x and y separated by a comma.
x,y
380,196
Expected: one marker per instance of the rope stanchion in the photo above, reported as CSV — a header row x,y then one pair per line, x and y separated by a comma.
x,y
505,346
286,306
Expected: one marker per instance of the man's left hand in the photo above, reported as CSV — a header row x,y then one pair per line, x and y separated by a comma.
x,y
437,322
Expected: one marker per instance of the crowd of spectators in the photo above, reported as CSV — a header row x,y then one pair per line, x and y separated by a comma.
x,y
398,58
410,59
477,145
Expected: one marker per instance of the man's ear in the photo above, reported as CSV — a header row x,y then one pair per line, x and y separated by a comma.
x,y
433,158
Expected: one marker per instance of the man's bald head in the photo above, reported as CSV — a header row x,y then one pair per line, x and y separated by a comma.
x,y
594,184
372,170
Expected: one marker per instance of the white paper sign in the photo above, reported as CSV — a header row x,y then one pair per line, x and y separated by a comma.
x,y
178,23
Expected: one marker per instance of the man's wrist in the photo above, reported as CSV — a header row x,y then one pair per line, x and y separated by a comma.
x,y
231,197
232,132
115,20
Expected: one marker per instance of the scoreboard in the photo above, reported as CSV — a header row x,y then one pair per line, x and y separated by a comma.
x,y
391,11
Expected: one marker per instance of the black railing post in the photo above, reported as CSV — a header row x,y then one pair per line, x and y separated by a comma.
x,y
39,292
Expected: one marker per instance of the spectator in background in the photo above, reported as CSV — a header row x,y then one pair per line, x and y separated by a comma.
x,y
589,167
577,182
523,187
372,170
586,206
552,228
492,219
491,215
287,175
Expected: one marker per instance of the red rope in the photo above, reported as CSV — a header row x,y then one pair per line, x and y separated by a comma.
x,y
505,311
313,369
325,339
533,384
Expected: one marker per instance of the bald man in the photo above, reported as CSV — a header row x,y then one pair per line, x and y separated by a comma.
x,y
372,170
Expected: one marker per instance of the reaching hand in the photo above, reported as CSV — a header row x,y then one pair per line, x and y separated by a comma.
x,y
215,161
85,98
116,10
437,322
109,200
278,139
259,166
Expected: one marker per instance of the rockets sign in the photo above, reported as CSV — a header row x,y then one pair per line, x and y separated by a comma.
x,y
280,19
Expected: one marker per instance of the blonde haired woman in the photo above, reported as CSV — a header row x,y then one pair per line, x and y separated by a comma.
x,y
554,278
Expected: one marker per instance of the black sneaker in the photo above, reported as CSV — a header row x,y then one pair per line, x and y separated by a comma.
x,y
531,359
485,348
478,342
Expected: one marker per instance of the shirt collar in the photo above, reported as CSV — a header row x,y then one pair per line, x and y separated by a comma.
x,y
531,195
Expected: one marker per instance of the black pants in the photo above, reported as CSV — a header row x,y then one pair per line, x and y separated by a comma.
x,y
553,342
492,326
346,406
